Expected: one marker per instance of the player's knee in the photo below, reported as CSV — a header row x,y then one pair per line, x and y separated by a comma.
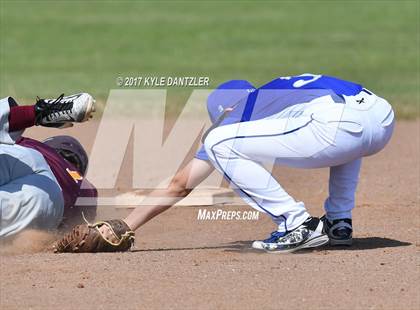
x,y
209,142
216,142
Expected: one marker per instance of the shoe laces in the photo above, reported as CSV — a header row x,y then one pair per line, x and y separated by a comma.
x,y
56,107
274,236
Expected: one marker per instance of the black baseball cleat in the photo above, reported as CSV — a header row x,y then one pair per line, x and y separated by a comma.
x,y
339,231
308,235
63,111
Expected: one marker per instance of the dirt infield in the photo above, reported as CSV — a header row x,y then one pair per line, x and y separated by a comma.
x,y
182,263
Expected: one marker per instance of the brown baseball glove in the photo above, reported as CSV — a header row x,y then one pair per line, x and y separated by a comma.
x,y
88,238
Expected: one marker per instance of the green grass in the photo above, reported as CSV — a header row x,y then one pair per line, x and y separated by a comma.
x,y
51,47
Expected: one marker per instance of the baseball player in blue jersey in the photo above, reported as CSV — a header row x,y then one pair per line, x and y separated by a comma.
x,y
305,121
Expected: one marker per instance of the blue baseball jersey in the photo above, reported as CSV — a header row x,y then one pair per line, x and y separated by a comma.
x,y
250,103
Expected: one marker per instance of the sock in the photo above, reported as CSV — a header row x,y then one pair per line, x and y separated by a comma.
x,y
21,117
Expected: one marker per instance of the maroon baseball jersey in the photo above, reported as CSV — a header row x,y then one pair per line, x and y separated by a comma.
x,y
66,174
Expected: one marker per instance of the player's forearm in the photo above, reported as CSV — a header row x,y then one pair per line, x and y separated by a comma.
x,y
160,200
157,202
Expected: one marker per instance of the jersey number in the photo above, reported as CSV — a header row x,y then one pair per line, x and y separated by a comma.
x,y
300,83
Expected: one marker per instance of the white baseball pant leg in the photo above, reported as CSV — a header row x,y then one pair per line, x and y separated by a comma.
x,y
342,189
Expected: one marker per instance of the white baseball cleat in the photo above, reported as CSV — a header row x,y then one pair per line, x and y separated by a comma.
x,y
63,110
308,235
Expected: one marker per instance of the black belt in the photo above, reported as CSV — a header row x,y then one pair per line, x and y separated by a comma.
x,y
367,91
